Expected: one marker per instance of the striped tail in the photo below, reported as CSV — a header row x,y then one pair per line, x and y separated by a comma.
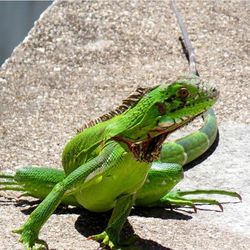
x,y
192,146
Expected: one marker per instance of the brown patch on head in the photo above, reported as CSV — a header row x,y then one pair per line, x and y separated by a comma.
x,y
162,108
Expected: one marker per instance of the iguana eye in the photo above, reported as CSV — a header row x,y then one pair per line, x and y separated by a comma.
x,y
183,93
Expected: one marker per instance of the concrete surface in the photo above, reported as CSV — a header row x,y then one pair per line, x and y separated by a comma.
x,y
82,59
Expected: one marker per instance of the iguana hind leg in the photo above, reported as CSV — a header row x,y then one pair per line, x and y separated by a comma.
x,y
158,189
178,198
35,181
8,182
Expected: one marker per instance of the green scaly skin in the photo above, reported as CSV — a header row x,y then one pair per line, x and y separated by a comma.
x,y
119,163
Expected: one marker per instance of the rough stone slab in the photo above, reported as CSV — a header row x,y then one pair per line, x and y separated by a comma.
x,y
81,59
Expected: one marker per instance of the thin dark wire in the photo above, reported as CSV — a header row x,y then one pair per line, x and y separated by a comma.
x,y
186,41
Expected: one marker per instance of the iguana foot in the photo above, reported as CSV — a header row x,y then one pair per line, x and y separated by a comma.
x,y
177,198
30,240
105,238
109,240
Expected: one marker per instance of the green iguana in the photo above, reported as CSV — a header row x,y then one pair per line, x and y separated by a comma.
x,y
121,160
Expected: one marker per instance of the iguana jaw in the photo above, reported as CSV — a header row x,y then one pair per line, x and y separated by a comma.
x,y
167,125
149,149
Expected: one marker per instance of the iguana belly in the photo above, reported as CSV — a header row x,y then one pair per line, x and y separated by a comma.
x,y
101,192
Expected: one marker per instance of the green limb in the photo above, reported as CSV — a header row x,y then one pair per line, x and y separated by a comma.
x,y
6,179
12,188
211,191
177,198
110,236
35,181
175,201
30,230
7,182
7,175
161,179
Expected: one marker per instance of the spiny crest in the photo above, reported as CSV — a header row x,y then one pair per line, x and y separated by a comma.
x,y
130,101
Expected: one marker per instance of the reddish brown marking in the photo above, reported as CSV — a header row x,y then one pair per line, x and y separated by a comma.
x,y
161,107
130,144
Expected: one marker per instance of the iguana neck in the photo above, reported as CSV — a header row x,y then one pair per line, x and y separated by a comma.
x,y
147,150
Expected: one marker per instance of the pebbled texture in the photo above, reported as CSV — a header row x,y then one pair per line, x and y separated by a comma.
x,y
65,73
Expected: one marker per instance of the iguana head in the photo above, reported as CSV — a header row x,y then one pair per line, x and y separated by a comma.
x,y
182,101
149,115
162,110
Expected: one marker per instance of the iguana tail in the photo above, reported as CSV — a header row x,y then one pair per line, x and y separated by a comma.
x,y
192,146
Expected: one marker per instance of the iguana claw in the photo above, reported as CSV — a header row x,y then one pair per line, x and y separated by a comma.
x,y
177,198
104,237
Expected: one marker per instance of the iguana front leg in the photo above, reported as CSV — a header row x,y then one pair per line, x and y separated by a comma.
x,y
30,230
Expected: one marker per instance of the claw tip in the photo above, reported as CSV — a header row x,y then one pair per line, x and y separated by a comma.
x,y
221,207
239,197
195,209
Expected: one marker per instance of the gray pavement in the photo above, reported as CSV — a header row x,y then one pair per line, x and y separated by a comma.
x,y
82,59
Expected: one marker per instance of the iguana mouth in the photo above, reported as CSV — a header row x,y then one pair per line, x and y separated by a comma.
x,y
170,126
150,149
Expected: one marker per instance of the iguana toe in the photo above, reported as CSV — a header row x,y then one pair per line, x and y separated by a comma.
x,y
30,240
105,239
